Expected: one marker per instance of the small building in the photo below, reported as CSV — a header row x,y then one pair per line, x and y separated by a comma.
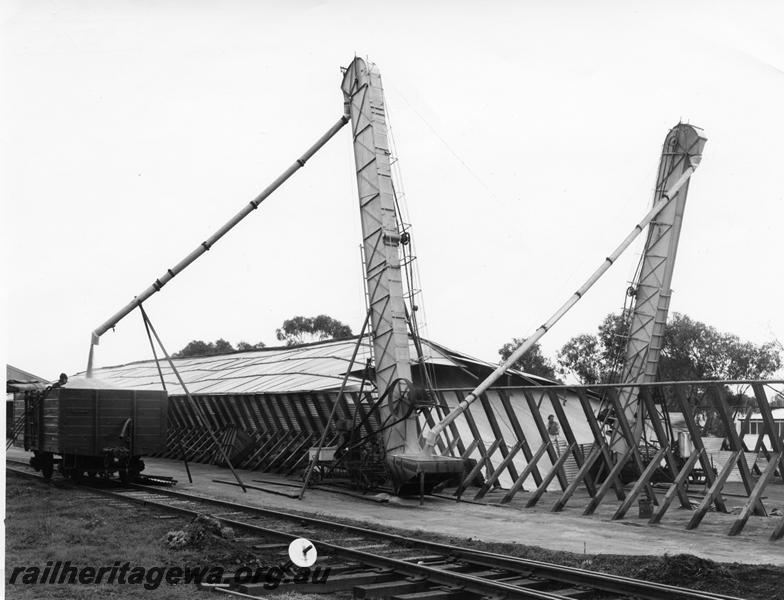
x,y
17,382
754,426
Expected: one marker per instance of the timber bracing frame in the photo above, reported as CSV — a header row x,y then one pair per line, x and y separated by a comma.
x,y
515,461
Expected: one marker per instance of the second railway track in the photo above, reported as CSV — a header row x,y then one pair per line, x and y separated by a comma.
x,y
376,564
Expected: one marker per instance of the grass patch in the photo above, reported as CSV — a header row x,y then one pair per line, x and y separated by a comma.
x,y
62,523
57,522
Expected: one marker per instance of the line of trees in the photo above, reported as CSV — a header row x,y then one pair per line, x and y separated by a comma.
x,y
294,331
219,346
692,350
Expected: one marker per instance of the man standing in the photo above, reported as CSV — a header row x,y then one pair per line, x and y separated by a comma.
x,y
553,430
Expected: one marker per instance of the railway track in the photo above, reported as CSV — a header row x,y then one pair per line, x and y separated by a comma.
x,y
384,565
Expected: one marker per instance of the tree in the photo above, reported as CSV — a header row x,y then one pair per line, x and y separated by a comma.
x,y
246,346
533,361
595,358
196,348
691,351
202,348
612,335
221,346
302,330
582,356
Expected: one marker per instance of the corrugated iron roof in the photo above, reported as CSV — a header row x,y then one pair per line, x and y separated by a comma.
x,y
17,379
308,368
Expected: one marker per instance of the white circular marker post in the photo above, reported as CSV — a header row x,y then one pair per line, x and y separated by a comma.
x,y
302,552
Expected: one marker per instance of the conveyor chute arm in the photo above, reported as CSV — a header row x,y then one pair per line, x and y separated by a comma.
x,y
664,198
209,242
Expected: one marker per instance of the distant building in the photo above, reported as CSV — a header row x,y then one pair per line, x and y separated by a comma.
x,y
755,426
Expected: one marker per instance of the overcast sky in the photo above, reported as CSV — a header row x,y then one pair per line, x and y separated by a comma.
x,y
528,136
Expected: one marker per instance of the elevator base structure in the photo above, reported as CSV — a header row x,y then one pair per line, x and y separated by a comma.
x,y
418,474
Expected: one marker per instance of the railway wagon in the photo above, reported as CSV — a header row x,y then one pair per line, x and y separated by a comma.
x,y
85,429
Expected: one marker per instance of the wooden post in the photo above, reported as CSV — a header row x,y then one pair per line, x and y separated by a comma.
x,y
631,441
469,417
540,425
518,430
679,481
699,447
444,406
529,468
770,425
598,435
638,485
492,478
570,437
548,478
491,418
594,454
607,483
755,495
719,397
714,490
477,468
664,442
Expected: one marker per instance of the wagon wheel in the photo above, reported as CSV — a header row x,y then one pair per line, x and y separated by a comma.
x,y
135,467
47,465
124,475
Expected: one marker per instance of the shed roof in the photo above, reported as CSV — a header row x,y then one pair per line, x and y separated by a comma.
x,y
17,380
311,367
